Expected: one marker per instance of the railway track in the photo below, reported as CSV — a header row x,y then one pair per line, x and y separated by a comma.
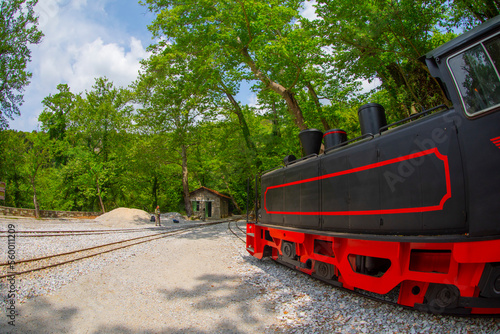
x,y
242,233
26,266
60,233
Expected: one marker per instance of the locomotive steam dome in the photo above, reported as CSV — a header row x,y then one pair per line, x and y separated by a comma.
x,y
371,118
311,141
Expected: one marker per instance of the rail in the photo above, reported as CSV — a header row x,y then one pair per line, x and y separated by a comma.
x,y
35,264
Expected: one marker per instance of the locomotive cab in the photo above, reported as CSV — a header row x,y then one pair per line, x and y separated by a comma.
x,y
469,67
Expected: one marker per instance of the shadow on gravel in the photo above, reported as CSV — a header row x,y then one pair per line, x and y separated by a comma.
x,y
214,292
231,305
223,294
204,232
224,328
45,318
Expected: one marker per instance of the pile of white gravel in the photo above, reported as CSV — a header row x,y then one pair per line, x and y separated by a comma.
x,y
124,217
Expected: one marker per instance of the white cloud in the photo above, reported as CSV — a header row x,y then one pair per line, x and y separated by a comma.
x,y
309,11
81,43
253,101
368,86
98,59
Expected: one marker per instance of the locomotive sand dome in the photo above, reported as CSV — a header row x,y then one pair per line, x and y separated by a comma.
x,y
413,207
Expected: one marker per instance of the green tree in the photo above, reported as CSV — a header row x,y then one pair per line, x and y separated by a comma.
x,y
220,81
18,29
385,39
265,39
148,166
57,109
39,152
220,158
174,104
97,126
12,151
469,12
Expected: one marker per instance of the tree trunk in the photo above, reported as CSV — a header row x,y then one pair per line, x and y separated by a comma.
x,y
315,98
35,200
100,197
230,194
155,192
293,105
241,118
185,182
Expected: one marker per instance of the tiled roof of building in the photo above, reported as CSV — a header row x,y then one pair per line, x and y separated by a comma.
x,y
211,190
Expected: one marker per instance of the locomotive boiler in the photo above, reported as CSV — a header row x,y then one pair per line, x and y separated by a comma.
x,y
411,207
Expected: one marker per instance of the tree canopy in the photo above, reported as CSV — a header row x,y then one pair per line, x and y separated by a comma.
x,y
18,29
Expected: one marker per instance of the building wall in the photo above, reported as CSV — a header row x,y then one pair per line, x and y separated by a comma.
x,y
220,206
224,208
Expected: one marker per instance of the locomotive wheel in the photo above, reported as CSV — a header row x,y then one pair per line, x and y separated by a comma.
x,y
441,297
288,249
323,270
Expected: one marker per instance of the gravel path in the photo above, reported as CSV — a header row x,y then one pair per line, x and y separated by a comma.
x,y
184,284
202,281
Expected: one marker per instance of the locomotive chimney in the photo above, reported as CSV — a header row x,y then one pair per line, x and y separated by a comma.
x,y
371,118
334,137
311,141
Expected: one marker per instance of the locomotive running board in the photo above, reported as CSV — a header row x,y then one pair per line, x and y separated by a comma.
x,y
383,237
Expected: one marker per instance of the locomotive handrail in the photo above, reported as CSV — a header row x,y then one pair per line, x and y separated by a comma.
x,y
303,158
290,163
350,141
270,170
412,117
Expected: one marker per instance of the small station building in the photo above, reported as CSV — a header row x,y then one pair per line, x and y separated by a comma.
x,y
208,203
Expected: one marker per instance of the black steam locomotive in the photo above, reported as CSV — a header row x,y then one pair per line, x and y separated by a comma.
x,y
412,206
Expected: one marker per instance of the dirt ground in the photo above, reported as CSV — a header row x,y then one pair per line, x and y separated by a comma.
x,y
184,284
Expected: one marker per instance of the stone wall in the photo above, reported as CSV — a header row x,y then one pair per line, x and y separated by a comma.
x,y
6,211
206,196
219,204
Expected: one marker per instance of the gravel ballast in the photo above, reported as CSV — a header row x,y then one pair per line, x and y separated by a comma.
x,y
202,281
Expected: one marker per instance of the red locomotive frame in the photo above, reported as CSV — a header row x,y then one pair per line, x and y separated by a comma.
x,y
413,265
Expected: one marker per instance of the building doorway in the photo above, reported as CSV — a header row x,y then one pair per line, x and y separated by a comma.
x,y
208,209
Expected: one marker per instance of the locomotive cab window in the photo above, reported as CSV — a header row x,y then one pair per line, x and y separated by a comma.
x,y
476,74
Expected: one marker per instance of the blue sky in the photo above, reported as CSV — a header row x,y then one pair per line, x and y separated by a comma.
x,y
84,40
